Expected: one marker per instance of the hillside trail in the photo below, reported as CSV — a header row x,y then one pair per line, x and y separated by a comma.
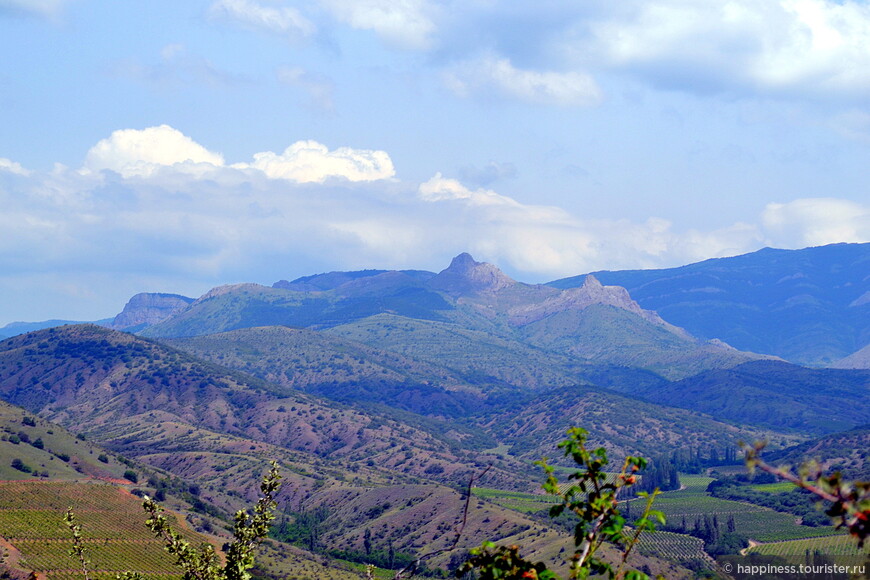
x,y
752,544
12,554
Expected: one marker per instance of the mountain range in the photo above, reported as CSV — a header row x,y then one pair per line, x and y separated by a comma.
x,y
394,388
809,306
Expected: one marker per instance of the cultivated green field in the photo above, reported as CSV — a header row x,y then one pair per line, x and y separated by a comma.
x,y
521,502
773,487
670,546
839,545
758,523
113,530
531,502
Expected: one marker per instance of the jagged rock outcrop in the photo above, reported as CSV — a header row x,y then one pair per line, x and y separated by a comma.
x,y
591,292
149,308
465,276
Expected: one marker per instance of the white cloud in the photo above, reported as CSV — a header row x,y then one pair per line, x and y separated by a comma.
x,y
490,74
133,152
285,21
816,222
12,167
310,161
167,153
548,241
439,188
156,220
811,47
405,24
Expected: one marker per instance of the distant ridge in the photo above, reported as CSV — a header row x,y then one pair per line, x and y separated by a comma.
x,y
809,306
16,328
332,280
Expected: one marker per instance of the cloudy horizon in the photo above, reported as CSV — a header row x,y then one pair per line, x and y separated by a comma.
x,y
178,148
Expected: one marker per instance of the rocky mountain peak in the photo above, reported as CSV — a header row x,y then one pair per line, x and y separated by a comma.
x,y
463,263
590,293
465,275
591,282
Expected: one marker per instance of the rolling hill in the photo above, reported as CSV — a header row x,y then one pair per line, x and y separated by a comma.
x,y
118,388
773,394
847,452
337,369
625,425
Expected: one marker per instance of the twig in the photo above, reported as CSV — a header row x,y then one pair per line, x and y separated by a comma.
x,y
790,477
78,548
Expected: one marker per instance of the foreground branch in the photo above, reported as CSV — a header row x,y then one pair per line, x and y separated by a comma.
x,y
849,501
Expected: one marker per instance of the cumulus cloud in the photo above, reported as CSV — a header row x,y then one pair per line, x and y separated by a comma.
x,y
439,188
10,166
284,20
310,161
814,47
133,152
816,222
167,151
405,24
490,74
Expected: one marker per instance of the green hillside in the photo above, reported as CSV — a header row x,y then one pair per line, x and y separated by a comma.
x,y
338,369
478,357
48,451
847,452
626,426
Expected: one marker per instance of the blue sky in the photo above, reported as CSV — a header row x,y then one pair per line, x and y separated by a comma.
x,y
175,146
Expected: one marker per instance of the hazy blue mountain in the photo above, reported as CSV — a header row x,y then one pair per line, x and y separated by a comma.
x,y
809,306
16,328
772,394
